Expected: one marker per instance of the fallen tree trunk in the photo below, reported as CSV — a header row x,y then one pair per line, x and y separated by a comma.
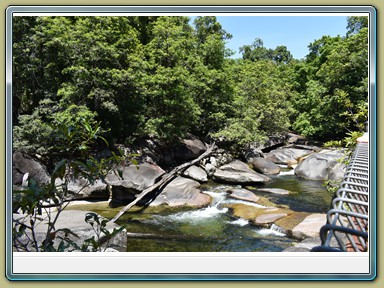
x,y
165,179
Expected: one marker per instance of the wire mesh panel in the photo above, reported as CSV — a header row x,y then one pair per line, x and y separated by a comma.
x,y
347,221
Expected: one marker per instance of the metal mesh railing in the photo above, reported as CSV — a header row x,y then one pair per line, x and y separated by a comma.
x,y
347,221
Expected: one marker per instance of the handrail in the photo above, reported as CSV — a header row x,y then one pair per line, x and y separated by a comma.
x,y
348,220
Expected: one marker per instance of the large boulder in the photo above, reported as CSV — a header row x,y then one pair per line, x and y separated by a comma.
x,y
318,166
286,156
182,192
135,179
295,138
196,173
238,172
310,226
265,166
236,166
26,167
152,150
257,149
337,172
82,189
75,221
188,149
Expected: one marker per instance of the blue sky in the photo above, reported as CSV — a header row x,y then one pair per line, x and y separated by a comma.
x,y
294,32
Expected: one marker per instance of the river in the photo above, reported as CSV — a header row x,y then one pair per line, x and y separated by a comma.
x,y
214,229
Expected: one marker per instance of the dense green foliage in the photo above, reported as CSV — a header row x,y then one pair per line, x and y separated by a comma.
x,y
166,76
261,105
333,85
257,51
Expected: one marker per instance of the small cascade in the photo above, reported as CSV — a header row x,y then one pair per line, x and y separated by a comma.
x,y
212,211
190,216
277,228
274,230
287,172
217,197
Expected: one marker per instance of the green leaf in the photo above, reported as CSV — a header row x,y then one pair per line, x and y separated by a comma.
x,y
60,169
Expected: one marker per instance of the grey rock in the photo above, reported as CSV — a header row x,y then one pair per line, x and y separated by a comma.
x,y
337,172
196,173
23,164
189,149
239,177
75,221
213,161
243,194
294,138
83,189
265,166
318,166
236,165
252,153
209,169
269,218
182,192
286,155
238,172
134,180
222,158
271,142
310,226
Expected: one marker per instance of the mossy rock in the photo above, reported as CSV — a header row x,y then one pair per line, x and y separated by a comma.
x,y
265,202
292,220
250,213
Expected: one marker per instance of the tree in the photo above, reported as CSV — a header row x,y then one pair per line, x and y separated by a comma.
x,y
281,55
211,87
170,107
91,61
333,87
42,132
355,24
260,103
27,67
257,52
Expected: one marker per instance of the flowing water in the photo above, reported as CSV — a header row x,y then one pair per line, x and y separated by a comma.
x,y
213,229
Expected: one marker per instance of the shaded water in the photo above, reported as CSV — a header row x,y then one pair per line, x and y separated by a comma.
x,y
310,196
213,229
